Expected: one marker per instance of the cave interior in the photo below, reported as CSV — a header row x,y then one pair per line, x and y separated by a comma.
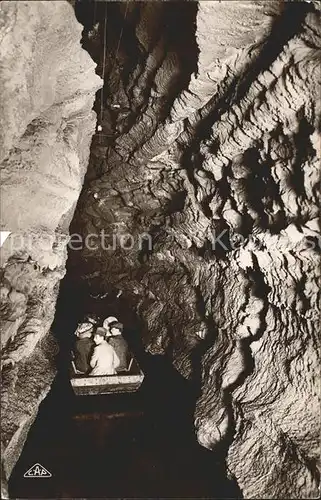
x,y
207,124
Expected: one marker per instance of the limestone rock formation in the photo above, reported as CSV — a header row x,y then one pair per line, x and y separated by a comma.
x,y
211,146
47,89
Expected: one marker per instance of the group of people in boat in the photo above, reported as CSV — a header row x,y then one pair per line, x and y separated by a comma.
x,y
100,350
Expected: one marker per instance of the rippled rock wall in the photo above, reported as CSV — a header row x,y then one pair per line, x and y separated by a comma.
x,y
209,151
47,90
211,120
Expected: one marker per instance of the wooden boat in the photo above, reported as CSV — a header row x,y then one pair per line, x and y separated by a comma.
x,y
124,382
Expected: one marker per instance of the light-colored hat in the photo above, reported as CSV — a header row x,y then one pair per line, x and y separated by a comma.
x,y
91,319
83,327
108,321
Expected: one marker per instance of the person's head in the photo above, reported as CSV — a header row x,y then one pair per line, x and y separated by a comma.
x,y
84,330
100,335
116,329
92,319
108,321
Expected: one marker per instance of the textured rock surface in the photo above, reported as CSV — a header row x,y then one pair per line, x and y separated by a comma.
x,y
217,129
47,89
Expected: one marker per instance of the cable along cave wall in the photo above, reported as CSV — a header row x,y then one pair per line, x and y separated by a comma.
x,y
210,118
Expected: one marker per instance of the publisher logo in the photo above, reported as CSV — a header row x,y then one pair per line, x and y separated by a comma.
x,y
37,470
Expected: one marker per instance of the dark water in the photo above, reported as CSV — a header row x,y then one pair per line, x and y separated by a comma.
x,y
122,446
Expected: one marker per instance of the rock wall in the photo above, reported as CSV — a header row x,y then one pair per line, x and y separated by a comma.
x,y
211,146
47,90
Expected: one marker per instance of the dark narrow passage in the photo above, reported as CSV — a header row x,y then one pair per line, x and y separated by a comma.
x,y
125,445
138,445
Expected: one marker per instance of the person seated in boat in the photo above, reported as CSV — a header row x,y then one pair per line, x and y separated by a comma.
x,y
92,318
83,347
117,341
104,360
108,321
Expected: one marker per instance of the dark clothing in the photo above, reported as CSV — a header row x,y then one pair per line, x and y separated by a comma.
x,y
121,348
83,350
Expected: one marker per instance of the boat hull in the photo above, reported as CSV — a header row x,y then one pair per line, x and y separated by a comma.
x,y
124,382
